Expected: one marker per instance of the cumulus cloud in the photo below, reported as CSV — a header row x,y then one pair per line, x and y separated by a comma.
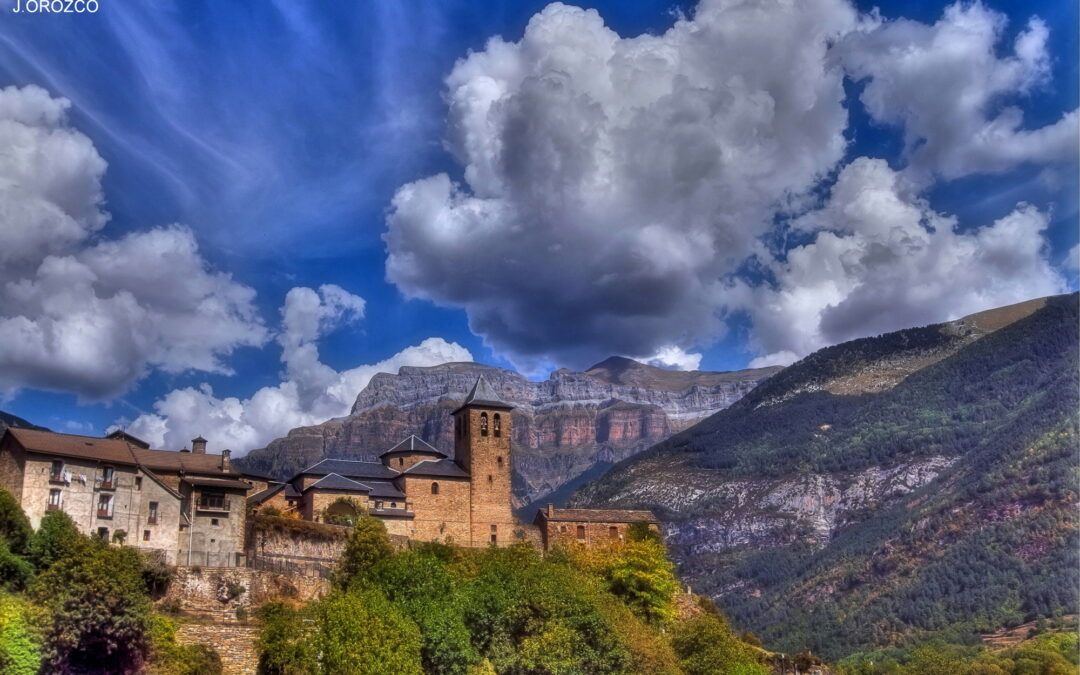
x,y
95,316
674,358
882,260
610,183
310,393
949,85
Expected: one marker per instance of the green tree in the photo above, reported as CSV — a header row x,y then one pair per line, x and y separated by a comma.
x,y
57,537
20,646
706,646
643,577
368,544
360,632
14,525
15,571
284,643
98,610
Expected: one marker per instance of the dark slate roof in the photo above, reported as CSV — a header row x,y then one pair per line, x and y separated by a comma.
x,y
414,444
383,489
291,491
483,394
335,482
260,497
597,516
351,469
436,467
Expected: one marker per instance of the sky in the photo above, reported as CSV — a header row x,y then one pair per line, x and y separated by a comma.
x,y
224,218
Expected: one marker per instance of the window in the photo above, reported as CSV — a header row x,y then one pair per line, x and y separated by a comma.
x,y
393,505
104,506
498,460
581,532
497,426
214,522
494,534
401,461
153,513
103,532
57,471
54,499
483,424
490,478
378,505
107,477
146,535
138,482
434,488
613,532
562,528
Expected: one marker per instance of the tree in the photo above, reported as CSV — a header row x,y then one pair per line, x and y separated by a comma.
x,y
14,525
643,577
360,632
15,572
706,646
20,649
98,610
284,643
57,537
368,544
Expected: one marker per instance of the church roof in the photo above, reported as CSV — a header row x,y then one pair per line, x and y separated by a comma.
x,y
436,467
384,489
483,394
414,444
351,469
335,482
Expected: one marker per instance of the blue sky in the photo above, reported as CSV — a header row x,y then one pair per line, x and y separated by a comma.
x,y
279,133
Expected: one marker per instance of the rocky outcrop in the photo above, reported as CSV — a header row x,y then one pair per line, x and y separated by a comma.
x,y
566,428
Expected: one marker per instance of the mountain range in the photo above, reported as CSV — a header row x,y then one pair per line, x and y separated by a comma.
x,y
566,429
917,484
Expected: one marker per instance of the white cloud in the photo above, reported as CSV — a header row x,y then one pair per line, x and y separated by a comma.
x,y
611,182
89,317
950,90
311,392
675,358
883,260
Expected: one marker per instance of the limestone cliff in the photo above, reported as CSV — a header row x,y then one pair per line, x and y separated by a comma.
x,y
566,429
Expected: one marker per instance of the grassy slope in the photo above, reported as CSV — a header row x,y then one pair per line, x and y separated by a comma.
x,y
990,543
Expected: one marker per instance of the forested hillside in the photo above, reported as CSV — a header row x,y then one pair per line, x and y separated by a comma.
x,y
944,505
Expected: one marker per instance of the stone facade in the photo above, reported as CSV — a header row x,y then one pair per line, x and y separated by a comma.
x,y
441,508
483,450
563,528
183,506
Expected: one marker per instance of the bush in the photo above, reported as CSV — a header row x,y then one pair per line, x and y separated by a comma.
x,y
362,633
705,645
14,525
57,537
15,572
284,643
171,658
20,646
98,609
368,544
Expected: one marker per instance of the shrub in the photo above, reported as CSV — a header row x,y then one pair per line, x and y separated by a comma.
x,y
14,525
98,609
119,537
362,633
270,511
15,572
368,544
57,537
20,646
285,645
705,645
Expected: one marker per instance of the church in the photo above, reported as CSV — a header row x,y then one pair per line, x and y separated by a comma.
x,y
420,493
417,491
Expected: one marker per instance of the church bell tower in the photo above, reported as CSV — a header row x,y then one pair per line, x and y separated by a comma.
x,y
482,431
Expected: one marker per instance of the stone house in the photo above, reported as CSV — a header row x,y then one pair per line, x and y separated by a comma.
x,y
419,492
588,527
189,506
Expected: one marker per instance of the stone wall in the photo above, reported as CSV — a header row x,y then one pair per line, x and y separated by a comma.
x,y
210,593
235,644
564,533
439,517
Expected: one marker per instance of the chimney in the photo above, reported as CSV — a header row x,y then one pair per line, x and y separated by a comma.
x,y
198,445
550,510
226,462
184,449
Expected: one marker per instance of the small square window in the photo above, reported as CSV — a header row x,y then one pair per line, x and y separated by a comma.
x,y
214,521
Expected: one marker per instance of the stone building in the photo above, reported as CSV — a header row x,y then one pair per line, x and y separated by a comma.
x,y
588,527
188,505
421,493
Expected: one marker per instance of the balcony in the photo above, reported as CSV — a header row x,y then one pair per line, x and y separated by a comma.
x,y
52,507
56,478
107,485
212,503
152,520
104,513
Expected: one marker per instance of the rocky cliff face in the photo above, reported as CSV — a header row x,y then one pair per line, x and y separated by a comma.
x,y
567,428
883,488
